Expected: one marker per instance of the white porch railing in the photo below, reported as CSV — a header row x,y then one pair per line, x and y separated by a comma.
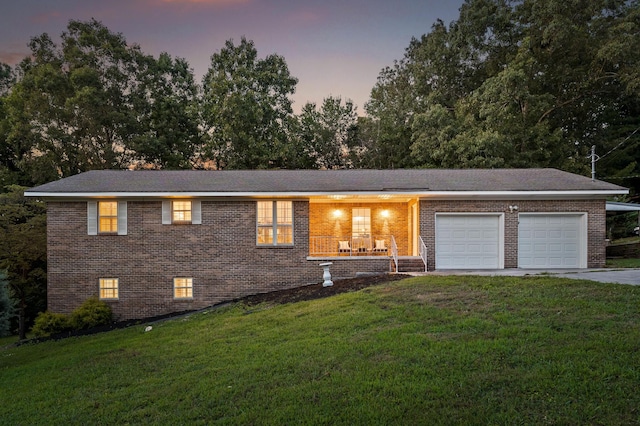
x,y
350,245
422,251
394,252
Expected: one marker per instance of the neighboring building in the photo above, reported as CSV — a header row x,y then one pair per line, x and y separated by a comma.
x,y
156,242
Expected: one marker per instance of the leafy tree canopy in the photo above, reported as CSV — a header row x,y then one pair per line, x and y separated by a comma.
x,y
327,133
23,253
95,102
247,108
517,84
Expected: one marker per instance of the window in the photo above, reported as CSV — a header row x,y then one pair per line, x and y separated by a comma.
x,y
275,223
183,288
107,217
361,222
181,211
108,288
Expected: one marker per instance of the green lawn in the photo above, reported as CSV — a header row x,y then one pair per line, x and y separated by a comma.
x,y
428,350
623,263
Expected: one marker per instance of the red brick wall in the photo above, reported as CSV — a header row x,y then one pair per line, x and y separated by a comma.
x,y
220,255
596,226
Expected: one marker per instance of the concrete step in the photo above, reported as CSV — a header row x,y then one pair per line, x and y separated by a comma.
x,y
411,264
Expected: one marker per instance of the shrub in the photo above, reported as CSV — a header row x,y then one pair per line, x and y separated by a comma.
x,y
91,313
7,310
48,323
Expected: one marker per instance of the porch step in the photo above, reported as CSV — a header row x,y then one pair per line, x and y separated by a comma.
x,y
409,264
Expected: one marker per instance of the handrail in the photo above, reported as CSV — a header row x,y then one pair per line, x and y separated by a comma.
x,y
349,245
394,252
422,250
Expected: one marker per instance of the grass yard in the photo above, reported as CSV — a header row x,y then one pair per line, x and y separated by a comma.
x,y
623,263
428,350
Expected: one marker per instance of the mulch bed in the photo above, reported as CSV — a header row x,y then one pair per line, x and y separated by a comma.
x,y
317,291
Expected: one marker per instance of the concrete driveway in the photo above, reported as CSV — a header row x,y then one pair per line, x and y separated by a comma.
x,y
619,276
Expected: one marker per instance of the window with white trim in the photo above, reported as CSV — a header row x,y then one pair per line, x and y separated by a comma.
x,y
108,288
181,212
107,217
183,288
274,223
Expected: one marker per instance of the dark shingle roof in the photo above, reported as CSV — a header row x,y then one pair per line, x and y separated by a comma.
x,y
322,181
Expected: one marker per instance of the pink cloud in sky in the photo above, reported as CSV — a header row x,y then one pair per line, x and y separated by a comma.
x,y
306,16
208,2
13,57
44,18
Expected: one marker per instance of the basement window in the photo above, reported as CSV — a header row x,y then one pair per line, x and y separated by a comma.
x,y
183,288
108,288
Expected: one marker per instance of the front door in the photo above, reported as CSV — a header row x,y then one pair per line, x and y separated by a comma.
x,y
361,229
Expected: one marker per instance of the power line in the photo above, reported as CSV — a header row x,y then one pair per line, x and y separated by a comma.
x,y
620,144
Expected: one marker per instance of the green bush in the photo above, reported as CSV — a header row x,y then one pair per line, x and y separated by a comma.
x,y
48,323
91,313
7,309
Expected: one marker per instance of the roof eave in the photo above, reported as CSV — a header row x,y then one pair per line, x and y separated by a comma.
x,y
450,195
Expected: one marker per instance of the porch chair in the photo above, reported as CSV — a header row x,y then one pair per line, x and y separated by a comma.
x,y
344,247
380,246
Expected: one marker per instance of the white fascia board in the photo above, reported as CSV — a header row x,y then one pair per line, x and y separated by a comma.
x,y
426,195
520,195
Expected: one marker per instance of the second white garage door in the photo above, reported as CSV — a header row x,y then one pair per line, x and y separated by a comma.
x,y
468,241
551,241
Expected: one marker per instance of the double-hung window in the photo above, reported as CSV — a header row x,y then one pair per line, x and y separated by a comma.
x,y
275,223
107,217
108,288
181,212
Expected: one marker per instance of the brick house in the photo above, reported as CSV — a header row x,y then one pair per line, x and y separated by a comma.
x,y
156,242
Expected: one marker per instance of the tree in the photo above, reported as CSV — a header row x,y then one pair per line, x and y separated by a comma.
x,y
387,134
517,84
7,309
23,253
72,104
9,170
246,108
95,102
167,101
328,133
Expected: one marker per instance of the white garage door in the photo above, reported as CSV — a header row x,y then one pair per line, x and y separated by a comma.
x,y
551,241
468,242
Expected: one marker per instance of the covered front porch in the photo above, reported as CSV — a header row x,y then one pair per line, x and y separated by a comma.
x,y
352,227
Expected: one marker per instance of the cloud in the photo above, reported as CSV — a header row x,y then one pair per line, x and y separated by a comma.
x,y
13,57
206,2
307,16
43,18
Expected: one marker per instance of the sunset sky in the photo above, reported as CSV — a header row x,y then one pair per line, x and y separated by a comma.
x,y
333,47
